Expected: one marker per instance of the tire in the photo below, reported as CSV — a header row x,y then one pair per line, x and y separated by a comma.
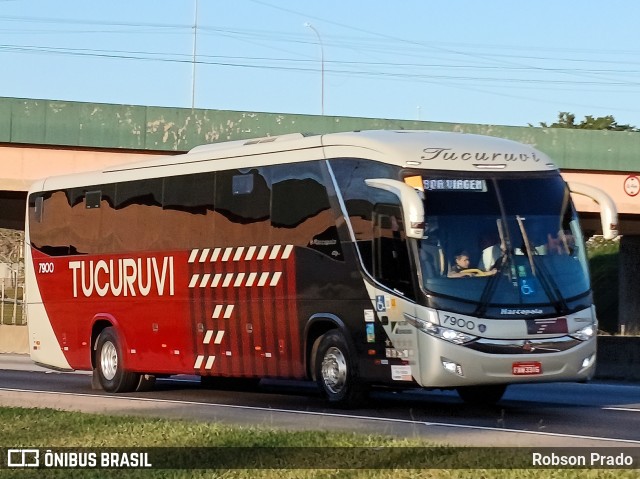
x,y
482,395
336,373
110,366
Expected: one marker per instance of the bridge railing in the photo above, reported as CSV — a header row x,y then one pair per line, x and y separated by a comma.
x,y
12,310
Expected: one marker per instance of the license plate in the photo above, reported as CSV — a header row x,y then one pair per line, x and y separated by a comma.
x,y
526,369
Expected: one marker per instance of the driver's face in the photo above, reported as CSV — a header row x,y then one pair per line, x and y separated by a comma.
x,y
463,261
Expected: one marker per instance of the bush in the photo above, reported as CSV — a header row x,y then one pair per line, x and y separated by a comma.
x,y
603,263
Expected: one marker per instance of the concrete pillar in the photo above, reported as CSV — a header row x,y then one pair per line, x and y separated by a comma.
x,y
629,291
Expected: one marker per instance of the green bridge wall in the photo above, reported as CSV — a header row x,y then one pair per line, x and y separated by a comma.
x,y
94,125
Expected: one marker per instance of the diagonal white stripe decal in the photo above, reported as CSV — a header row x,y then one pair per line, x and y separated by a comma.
x,y
207,337
216,280
238,281
275,279
204,254
287,251
263,279
238,255
228,311
251,279
274,252
219,337
194,280
204,280
262,253
210,361
227,253
192,256
198,362
214,256
227,280
216,312
250,252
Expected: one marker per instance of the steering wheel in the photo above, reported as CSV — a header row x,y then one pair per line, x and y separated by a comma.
x,y
474,272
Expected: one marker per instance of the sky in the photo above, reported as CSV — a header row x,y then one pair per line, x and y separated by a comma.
x,y
462,61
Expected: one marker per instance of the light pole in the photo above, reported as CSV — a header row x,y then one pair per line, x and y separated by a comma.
x,y
307,24
195,45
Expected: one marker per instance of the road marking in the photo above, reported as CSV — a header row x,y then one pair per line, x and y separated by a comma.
x,y
626,409
335,415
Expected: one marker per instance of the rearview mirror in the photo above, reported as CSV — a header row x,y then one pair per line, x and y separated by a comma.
x,y
412,205
608,211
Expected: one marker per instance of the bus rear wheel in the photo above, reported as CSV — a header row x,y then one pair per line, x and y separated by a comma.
x,y
482,395
110,364
335,372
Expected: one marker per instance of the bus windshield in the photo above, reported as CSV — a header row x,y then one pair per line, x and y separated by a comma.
x,y
518,241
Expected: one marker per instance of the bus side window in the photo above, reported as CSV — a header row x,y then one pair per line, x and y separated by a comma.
x,y
36,207
242,206
300,209
187,201
391,256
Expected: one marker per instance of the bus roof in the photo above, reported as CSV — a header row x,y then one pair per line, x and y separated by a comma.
x,y
440,150
406,148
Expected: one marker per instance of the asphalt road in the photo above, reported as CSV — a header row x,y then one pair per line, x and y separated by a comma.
x,y
555,415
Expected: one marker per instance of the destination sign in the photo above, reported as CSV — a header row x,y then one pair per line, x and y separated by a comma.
x,y
455,185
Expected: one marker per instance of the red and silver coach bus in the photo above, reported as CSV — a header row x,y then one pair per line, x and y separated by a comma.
x,y
330,257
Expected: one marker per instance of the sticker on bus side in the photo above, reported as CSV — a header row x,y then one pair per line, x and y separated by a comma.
x,y
401,373
369,316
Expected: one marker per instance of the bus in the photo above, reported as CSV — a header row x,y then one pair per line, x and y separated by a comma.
x,y
325,258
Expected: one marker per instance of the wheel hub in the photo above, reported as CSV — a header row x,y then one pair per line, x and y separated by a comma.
x,y
334,370
109,360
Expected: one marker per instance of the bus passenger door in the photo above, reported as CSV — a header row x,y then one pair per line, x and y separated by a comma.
x,y
394,294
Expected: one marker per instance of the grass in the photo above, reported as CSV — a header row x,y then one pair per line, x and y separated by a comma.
x,y
383,456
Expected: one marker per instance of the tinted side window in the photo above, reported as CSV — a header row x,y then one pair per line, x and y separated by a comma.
x,y
139,192
390,253
300,211
360,199
139,225
74,221
50,222
242,204
188,203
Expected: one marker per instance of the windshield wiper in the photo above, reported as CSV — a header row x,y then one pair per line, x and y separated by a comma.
x,y
551,287
548,284
490,287
527,244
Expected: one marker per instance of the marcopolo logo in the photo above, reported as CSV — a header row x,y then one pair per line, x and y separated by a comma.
x,y
520,312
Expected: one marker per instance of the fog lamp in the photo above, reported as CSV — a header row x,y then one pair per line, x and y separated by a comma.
x,y
452,366
588,361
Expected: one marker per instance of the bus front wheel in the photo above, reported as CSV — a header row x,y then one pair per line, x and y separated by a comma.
x,y
110,364
335,371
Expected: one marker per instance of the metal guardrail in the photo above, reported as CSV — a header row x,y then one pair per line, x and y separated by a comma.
x,y
12,310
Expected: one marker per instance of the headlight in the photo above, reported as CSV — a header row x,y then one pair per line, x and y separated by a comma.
x,y
585,333
438,331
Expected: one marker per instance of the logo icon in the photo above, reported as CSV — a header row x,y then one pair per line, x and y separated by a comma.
x,y
380,304
23,458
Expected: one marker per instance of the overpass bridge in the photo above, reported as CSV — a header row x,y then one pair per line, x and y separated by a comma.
x,y
40,138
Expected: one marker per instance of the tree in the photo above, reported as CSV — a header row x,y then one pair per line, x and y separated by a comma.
x,y
568,120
